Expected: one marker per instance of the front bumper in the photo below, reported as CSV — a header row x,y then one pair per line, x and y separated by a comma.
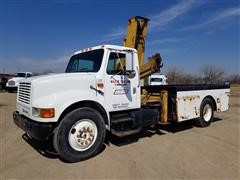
x,y
37,130
11,88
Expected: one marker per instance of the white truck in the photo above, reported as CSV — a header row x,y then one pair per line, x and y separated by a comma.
x,y
157,79
13,83
100,91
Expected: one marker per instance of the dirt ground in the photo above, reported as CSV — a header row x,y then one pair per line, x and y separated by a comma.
x,y
174,151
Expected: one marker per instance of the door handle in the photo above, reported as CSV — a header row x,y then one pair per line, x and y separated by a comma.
x,y
97,90
134,90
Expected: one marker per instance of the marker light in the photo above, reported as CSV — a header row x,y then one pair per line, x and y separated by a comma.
x,y
100,85
43,112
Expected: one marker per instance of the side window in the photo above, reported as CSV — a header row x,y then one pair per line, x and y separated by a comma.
x,y
116,63
29,75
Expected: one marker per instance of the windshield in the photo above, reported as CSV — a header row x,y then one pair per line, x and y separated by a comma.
x,y
86,62
20,75
156,79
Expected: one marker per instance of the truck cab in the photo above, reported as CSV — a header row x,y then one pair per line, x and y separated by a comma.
x,y
13,83
103,79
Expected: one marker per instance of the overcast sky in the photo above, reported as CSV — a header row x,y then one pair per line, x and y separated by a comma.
x,y
42,35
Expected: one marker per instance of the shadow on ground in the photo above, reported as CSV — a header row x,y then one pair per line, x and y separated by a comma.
x,y
150,131
45,148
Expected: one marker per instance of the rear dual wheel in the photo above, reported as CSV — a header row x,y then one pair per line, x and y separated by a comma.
x,y
206,113
80,135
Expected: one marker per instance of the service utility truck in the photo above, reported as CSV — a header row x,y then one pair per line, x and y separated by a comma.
x,y
100,91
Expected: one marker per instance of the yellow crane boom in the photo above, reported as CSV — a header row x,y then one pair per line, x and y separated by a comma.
x,y
135,38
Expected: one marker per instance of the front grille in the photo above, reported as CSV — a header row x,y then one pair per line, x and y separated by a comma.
x,y
24,92
11,83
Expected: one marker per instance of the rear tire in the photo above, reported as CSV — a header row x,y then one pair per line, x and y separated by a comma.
x,y
80,135
206,113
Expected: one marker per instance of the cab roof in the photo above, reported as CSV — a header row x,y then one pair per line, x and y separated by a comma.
x,y
105,46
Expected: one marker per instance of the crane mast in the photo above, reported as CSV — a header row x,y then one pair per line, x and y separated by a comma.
x,y
135,38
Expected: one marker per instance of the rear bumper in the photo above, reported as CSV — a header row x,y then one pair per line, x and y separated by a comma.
x,y
37,130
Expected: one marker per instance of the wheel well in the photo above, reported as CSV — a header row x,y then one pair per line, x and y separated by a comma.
x,y
90,104
213,100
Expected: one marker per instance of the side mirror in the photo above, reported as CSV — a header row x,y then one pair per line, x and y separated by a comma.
x,y
130,72
129,61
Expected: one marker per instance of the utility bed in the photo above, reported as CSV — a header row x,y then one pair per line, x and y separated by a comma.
x,y
184,87
183,101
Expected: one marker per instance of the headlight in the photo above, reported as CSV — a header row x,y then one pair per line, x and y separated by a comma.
x,y
43,112
11,83
36,112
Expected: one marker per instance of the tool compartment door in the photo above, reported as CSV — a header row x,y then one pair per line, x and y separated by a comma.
x,y
188,105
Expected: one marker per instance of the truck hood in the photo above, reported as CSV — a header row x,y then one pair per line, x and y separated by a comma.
x,y
48,88
62,79
16,79
52,76
57,77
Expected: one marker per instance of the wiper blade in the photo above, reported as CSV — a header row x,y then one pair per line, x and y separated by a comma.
x,y
83,69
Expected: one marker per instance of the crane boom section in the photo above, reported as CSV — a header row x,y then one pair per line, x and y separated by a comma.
x,y
136,35
135,38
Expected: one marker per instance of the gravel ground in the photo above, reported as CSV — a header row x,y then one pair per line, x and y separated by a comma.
x,y
172,152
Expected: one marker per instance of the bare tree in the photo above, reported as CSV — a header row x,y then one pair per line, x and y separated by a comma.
x,y
212,74
190,79
209,74
234,78
47,71
175,75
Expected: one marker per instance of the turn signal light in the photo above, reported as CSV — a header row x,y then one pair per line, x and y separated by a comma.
x,y
47,113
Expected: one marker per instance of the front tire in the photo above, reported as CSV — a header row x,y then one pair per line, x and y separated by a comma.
x,y
206,113
80,135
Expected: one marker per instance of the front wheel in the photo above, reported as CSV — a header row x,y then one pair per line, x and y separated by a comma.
x,y
80,135
206,113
